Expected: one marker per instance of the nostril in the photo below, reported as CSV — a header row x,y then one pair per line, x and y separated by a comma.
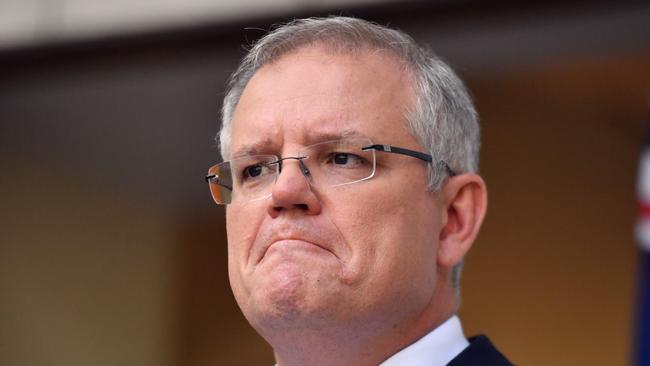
x,y
302,206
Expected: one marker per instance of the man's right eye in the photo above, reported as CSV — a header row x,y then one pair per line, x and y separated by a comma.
x,y
253,171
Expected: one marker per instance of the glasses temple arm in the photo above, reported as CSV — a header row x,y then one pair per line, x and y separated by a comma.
x,y
411,153
209,178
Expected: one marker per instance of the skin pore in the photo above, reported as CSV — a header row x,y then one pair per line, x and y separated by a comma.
x,y
351,274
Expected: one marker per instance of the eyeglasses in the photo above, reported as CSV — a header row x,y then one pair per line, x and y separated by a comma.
x,y
326,164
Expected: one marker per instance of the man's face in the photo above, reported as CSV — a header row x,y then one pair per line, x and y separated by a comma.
x,y
357,254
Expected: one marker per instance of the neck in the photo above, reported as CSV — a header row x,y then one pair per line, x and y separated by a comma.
x,y
355,343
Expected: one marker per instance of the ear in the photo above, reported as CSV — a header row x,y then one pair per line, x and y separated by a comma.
x,y
465,199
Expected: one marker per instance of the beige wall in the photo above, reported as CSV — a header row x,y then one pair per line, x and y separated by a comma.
x,y
552,276
86,276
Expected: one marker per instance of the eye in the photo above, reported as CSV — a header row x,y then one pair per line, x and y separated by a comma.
x,y
341,158
253,171
346,160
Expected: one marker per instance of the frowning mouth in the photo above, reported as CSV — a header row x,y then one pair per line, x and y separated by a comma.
x,y
293,245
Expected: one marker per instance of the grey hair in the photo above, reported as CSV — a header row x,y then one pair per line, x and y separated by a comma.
x,y
443,118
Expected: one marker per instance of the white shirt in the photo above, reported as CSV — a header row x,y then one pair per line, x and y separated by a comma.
x,y
437,348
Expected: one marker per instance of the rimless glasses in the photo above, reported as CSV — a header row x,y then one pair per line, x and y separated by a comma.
x,y
325,164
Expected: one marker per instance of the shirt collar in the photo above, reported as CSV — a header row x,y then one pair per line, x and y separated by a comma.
x,y
437,348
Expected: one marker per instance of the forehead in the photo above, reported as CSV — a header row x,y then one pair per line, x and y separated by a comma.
x,y
311,95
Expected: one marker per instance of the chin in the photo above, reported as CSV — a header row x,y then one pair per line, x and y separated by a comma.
x,y
278,313
288,297
292,305
286,292
276,294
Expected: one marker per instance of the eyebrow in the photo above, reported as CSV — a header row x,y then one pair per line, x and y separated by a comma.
x,y
256,148
322,136
262,147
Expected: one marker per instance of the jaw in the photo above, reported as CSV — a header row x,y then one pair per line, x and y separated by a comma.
x,y
303,334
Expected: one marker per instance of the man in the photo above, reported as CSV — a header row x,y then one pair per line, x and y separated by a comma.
x,y
352,197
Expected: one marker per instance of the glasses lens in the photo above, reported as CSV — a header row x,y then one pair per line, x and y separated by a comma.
x,y
243,179
340,162
329,164
220,183
253,177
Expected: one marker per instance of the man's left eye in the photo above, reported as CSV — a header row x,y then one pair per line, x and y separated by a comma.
x,y
346,160
341,158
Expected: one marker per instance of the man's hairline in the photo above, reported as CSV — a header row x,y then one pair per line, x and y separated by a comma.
x,y
330,47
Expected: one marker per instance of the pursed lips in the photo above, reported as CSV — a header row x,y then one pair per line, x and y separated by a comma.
x,y
264,250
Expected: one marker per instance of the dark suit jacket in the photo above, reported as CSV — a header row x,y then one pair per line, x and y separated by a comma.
x,y
480,352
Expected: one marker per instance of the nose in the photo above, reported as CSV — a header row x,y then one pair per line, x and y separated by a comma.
x,y
292,191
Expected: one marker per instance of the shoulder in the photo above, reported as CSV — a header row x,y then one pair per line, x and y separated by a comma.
x,y
480,352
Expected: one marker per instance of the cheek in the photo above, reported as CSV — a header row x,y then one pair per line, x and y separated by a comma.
x,y
241,229
388,234
242,225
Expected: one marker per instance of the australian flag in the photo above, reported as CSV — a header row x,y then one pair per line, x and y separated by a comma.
x,y
642,339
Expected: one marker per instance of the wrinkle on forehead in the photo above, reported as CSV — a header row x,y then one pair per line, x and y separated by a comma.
x,y
267,145
311,95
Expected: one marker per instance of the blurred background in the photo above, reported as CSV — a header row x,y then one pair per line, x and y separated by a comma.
x,y
113,253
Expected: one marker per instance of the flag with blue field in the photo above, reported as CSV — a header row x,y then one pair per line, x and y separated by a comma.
x,y
642,327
